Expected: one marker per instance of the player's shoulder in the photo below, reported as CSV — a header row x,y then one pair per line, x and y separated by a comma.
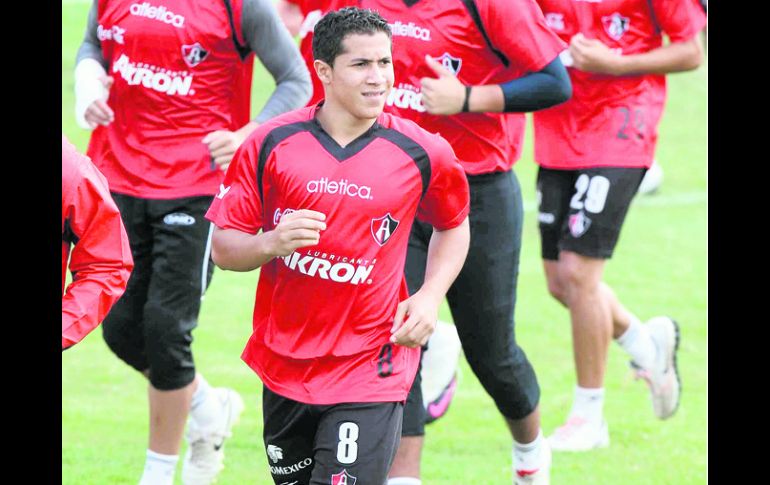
x,y
409,131
291,120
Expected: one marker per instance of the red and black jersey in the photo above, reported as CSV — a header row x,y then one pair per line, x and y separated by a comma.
x,y
482,42
323,314
611,120
173,63
100,259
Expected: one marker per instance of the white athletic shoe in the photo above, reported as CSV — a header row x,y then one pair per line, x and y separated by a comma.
x,y
439,370
663,377
538,476
205,454
652,180
577,434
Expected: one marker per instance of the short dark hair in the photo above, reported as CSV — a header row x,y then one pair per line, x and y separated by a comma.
x,y
335,25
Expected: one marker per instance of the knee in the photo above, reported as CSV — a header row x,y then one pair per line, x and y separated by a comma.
x,y
169,353
577,278
125,346
556,289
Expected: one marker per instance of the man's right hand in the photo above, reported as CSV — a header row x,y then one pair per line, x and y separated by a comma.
x,y
98,112
296,230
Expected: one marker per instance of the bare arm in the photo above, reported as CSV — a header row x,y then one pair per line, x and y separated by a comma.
x,y
592,55
268,38
446,255
291,15
235,250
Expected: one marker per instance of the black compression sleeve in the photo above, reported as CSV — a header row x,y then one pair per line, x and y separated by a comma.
x,y
538,90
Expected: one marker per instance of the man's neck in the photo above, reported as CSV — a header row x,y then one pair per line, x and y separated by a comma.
x,y
340,124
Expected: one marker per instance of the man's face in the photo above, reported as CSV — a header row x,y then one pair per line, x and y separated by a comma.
x,y
362,75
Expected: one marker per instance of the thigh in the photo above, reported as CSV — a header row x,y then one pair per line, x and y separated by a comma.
x,y
554,190
597,208
180,254
356,442
482,298
123,326
289,432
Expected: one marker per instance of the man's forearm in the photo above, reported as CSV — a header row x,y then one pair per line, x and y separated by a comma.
x,y
446,255
674,57
238,251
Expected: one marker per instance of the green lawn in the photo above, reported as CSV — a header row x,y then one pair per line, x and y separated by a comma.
x,y
659,267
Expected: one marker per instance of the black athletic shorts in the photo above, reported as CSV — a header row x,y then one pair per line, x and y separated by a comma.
x,y
336,444
583,210
150,326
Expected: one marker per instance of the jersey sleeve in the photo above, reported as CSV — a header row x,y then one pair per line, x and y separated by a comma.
x,y
518,29
447,201
681,20
238,204
100,260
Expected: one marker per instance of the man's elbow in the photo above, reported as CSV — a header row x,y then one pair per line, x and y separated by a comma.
x,y
219,258
694,56
564,90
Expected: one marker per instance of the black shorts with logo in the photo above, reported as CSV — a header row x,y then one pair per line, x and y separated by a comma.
x,y
150,325
336,444
583,210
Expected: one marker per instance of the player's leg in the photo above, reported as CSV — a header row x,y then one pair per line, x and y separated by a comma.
x,y
289,430
356,442
482,300
180,254
123,329
406,464
599,202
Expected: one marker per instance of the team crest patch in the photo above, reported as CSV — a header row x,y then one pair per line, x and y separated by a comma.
x,y
579,224
555,20
616,25
343,478
452,64
194,54
382,228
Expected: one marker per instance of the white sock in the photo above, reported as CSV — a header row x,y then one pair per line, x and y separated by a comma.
x,y
403,481
205,406
638,343
159,469
589,404
527,456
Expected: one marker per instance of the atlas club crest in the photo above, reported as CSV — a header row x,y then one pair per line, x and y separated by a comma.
x,y
194,54
343,478
616,25
382,228
451,64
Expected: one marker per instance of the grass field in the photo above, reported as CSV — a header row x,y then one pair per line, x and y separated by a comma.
x,y
659,267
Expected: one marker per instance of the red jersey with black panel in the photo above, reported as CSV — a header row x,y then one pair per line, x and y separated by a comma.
x,y
323,314
611,120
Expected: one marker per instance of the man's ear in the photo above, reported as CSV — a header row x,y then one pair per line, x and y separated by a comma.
x,y
323,70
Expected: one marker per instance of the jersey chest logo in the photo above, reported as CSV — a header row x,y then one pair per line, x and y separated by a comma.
x,y
382,228
452,64
616,25
194,54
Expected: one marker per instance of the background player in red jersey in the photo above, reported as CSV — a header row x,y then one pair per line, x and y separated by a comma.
x,y
336,335
441,356
167,120
593,151
94,243
459,65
